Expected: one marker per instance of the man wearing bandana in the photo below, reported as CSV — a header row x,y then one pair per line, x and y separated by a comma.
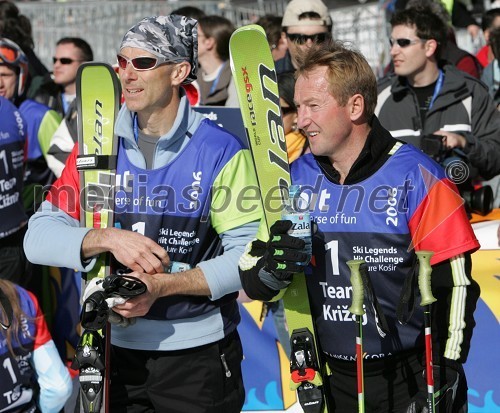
x,y
181,222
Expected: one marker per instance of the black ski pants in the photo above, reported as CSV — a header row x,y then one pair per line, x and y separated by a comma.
x,y
392,384
205,379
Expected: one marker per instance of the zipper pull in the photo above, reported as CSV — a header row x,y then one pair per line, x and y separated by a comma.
x,y
224,363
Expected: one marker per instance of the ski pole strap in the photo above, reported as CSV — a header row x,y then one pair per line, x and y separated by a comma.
x,y
424,277
123,285
361,286
7,309
92,161
380,320
406,305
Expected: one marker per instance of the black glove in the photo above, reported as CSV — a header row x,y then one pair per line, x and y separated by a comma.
x,y
448,390
101,294
284,254
267,268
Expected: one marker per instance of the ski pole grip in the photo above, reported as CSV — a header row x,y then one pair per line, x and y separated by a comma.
x,y
357,287
424,277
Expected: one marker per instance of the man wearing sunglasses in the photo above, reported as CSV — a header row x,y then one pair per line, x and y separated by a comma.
x,y
59,89
304,23
427,99
177,206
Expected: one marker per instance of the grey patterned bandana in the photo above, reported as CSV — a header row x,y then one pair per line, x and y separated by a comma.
x,y
173,37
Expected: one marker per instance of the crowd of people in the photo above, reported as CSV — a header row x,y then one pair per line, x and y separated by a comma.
x,y
397,136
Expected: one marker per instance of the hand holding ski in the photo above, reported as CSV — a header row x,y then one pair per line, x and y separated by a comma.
x,y
284,254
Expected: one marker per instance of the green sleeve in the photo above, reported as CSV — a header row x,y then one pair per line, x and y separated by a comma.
x,y
235,196
48,126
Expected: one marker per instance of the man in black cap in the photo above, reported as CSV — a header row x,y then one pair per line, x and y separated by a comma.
x,y
176,211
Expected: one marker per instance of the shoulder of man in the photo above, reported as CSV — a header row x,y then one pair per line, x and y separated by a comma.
x,y
42,85
389,81
453,75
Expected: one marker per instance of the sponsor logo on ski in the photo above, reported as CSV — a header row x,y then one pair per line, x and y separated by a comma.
x,y
86,161
249,89
275,128
98,127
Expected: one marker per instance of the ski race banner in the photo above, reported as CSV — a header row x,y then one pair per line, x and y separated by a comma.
x,y
266,366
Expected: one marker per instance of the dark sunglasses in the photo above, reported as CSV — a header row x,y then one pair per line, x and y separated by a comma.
x,y
303,38
64,60
286,110
404,42
141,63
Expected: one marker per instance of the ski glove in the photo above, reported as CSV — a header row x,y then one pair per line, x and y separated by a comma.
x,y
284,254
267,268
448,382
101,295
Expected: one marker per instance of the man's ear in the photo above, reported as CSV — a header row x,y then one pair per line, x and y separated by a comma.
x,y
180,72
430,47
357,107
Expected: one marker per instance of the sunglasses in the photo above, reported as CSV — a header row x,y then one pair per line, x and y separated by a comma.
x,y
64,60
8,54
404,42
303,38
141,63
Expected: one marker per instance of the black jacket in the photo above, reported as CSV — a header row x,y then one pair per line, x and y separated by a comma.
x,y
462,106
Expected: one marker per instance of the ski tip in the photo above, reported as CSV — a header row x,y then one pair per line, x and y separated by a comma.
x,y
249,27
243,36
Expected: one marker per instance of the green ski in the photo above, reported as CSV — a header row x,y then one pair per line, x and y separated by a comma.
x,y
256,83
98,101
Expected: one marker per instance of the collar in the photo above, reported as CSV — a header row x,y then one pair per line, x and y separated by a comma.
x,y
374,154
454,81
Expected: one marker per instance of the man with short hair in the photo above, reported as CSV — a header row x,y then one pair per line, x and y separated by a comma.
x,y
424,98
381,200
182,208
59,90
304,23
